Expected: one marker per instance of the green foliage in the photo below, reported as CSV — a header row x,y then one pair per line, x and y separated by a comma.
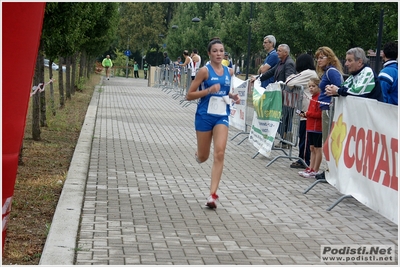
x,y
305,26
96,27
236,24
140,24
81,83
104,20
70,27
120,61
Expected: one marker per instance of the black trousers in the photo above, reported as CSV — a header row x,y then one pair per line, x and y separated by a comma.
x,y
304,147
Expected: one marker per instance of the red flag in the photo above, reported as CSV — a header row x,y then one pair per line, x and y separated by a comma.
x,y
22,27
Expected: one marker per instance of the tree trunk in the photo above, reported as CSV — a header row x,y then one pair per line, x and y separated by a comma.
x,y
35,100
73,75
68,77
91,67
82,65
43,117
61,83
52,101
87,67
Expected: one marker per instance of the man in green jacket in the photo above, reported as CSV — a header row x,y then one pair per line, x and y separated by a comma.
x,y
107,63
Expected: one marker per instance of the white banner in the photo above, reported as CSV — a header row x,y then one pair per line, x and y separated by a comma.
x,y
361,152
237,117
267,113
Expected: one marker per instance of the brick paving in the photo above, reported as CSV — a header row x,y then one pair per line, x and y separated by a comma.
x,y
145,194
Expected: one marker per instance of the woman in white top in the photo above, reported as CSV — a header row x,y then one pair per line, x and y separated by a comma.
x,y
196,60
305,69
188,63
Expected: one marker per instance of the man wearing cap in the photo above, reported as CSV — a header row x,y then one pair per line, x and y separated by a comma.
x,y
271,60
226,61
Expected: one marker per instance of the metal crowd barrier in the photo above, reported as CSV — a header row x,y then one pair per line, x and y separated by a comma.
x,y
168,77
187,81
176,79
289,127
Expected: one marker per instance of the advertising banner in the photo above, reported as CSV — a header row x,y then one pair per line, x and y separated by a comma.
x,y
362,153
237,117
267,104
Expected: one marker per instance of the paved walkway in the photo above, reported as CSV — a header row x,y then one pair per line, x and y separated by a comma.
x,y
144,194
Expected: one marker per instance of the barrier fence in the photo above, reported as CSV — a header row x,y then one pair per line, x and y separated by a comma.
x,y
361,151
176,79
288,124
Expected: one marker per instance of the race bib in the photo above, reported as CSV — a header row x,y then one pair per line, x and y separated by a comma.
x,y
216,106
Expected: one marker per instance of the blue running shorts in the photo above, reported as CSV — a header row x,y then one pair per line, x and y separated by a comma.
x,y
205,123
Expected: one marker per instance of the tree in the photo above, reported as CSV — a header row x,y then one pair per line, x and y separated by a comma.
x,y
37,79
236,23
305,26
141,23
103,19
42,95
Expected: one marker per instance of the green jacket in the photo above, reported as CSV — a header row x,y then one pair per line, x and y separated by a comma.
x,y
107,62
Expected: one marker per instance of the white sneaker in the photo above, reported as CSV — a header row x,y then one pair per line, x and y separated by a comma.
x,y
305,171
211,201
310,174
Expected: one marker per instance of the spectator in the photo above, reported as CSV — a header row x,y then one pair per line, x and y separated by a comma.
x,y
178,61
314,130
238,70
136,69
362,82
177,70
271,59
329,69
305,71
283,69
212,114
226,61
145,68
388,77
280,72
196,60
188,63
107,63
166,62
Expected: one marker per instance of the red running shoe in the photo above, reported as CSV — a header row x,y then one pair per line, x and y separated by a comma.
x,y
211,201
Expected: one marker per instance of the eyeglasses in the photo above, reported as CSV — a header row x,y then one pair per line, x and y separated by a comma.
x,y
321,58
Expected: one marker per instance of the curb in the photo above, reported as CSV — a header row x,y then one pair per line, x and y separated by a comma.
x,y
61,241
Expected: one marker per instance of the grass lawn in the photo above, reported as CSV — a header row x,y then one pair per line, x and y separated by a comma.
x,y
41,177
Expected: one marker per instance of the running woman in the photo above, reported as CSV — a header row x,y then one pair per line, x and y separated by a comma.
x,y
212,85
